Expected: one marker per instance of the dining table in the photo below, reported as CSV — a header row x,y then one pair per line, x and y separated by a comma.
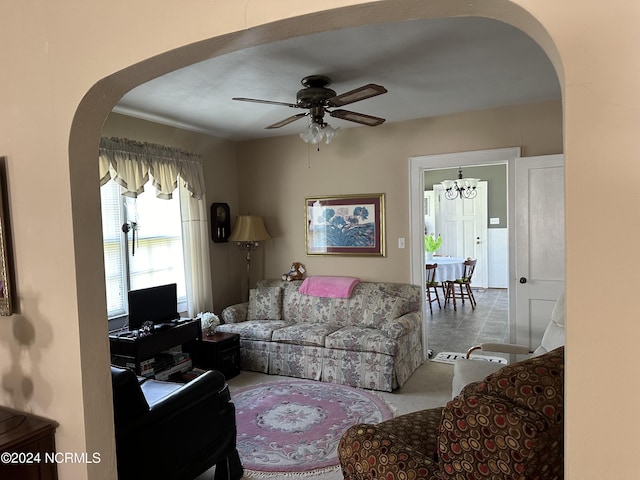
x,y
449,268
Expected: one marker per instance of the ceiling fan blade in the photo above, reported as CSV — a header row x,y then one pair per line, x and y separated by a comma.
x,y
357,117
366,91
269,102
287,121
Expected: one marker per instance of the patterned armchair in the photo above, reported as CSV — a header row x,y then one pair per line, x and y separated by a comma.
x,y
508,426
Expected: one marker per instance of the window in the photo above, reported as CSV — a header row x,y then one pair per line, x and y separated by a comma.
x,y
163,226
154,258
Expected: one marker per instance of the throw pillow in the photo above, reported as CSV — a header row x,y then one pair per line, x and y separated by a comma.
x,y
265,303
384,307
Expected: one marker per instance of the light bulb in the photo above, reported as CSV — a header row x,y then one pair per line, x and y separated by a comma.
x,y
330,133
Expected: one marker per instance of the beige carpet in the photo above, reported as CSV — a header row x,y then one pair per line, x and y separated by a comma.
x,y
428,387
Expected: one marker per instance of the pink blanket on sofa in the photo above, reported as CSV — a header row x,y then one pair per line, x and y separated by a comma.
x,y
327,286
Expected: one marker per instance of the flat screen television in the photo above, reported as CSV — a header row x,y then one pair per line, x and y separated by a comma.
x,y
155,304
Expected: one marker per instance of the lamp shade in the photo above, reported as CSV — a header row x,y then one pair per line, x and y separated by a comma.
x,y
249,228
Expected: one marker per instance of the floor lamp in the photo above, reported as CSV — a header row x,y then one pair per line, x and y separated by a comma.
x,y
248,232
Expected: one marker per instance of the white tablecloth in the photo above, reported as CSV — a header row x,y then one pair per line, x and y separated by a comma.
x,y
449,268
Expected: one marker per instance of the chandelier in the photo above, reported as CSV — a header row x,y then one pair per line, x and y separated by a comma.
x,y
461,187
317,131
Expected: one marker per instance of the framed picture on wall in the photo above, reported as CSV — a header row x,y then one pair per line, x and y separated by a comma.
x,y
6,307
345,225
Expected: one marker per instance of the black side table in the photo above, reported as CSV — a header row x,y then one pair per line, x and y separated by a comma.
x,y
220,351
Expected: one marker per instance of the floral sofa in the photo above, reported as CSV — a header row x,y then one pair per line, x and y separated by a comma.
x,y
372,340
508,426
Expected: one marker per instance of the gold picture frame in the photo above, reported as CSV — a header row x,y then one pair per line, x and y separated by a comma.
x,y
6,307
345,225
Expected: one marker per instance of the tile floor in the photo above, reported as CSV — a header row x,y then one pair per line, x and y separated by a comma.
x,y
456,331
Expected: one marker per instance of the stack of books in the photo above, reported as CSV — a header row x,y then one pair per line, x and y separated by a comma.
x,y
171,363
147,367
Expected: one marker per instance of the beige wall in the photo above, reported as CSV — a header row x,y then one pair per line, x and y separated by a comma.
x,y
65,64
272,177
277,174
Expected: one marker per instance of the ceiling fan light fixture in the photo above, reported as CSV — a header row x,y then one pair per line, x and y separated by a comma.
x,y
330,133
316,132
313,134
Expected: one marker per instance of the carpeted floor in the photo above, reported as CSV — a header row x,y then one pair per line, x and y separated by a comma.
x,y
295,425
428,387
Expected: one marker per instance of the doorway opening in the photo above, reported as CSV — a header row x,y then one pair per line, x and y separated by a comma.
x,y
470,228
424,172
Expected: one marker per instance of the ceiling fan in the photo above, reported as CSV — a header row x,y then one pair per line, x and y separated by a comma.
x,y
318,99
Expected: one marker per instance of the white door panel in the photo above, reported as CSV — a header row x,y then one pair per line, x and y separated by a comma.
x,y
539,273
463,226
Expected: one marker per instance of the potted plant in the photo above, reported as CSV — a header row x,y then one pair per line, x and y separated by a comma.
x,y
432,244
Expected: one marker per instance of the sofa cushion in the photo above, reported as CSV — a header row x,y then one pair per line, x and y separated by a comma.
x,y
383,307
554,337
265,303
361,339
301,308
403,325
466,371
536,383
304,333
253,330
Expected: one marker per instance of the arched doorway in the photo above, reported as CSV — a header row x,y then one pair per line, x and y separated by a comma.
x,y
99,101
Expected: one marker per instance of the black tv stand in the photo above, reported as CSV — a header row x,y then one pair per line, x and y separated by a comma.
x,y
128,344
163,326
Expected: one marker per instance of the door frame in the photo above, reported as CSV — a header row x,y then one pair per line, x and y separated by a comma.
x,y
417,166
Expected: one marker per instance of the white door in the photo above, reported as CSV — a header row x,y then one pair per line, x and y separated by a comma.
x,y
538,273
429,213
463,226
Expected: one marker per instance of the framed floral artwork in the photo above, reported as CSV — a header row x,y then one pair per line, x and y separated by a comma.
x,y
6,307
345,225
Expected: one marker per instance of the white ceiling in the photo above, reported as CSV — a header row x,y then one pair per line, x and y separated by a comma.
x,y
429,67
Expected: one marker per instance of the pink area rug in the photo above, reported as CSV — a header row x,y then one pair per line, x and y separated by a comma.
x,y
295,426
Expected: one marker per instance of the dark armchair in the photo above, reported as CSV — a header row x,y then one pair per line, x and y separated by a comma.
x,y
173,431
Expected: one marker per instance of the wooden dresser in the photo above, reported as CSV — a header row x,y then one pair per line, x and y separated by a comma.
x,y
27,446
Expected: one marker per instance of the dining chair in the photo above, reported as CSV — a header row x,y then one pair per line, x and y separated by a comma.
x,y
432,286
464,285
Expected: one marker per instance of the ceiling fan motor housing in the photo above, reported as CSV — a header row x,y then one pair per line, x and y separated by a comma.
x,y
314,96
315,92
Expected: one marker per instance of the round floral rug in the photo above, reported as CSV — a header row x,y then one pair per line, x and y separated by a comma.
x,y
295,426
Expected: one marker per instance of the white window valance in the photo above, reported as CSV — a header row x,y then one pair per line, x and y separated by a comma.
x,y
131,164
